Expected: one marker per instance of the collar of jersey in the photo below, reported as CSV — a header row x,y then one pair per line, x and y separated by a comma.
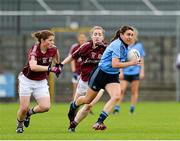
x,y
126,45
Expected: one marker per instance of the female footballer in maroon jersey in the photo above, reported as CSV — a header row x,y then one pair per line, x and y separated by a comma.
x,y
33,78
90,54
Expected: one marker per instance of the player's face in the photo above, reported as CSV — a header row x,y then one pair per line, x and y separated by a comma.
x,y
127,37
48,42
134,38
82,39
97,36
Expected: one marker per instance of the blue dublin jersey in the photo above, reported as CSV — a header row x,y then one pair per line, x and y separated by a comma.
x,y
116,49
132,70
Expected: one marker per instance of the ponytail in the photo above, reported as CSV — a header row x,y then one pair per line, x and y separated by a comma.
x,y
116,36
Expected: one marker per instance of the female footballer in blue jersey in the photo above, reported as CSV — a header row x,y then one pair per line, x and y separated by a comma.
x,y
106,76
133,75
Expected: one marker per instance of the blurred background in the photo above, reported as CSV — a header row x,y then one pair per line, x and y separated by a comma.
x,y
158,23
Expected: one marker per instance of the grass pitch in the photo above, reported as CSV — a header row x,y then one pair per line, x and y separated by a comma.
x,y
160,120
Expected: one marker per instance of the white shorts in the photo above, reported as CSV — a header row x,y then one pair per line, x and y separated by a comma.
x,y
37,88
82,87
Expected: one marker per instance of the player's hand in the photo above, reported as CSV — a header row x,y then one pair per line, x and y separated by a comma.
x,y
56,70
59,65
100,44
141,76
136,62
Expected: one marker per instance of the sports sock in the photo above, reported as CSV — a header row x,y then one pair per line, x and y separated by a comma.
x,y
74,106
117,108
102,117
132,108
19,123
31,112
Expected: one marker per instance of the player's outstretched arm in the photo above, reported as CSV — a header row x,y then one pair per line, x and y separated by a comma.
x,y
67,60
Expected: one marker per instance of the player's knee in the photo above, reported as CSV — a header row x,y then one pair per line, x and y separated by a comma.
x,y
116,97
122,92
87,100
45,108
24,109
134,93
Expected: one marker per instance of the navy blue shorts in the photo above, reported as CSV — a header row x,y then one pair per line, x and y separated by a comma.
x,y
130,78
99,79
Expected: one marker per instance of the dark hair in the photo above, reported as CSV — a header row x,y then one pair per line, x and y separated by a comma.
x,y
122,30
43,34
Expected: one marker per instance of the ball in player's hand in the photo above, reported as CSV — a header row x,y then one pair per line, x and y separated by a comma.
x,y
133,54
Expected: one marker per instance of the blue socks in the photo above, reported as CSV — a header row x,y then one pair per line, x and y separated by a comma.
x,y
102,117
132,108
74,106
117,108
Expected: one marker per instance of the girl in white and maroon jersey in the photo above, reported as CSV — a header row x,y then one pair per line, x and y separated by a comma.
x,y
33,78
90,54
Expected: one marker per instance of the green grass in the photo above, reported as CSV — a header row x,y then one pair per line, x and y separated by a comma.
x,y
152,120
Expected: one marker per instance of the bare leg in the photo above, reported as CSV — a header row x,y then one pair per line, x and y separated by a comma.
x,y
43,105
123,85
84,111
21,114
24,104
74,89
87,99
113,90
134,94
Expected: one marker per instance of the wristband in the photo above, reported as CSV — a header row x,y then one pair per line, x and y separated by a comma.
x,y
61,65
49,68
57,64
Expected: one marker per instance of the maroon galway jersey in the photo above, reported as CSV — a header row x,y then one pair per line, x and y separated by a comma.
x,y
43,59
77,61
90,58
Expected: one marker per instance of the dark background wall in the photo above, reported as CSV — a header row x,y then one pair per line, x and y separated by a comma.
x,y
158,33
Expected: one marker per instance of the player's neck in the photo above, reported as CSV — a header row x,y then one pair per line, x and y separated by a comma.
x,y
94,46
43,49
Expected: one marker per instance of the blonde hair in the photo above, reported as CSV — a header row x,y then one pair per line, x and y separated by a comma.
x,y
136,33
97,27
